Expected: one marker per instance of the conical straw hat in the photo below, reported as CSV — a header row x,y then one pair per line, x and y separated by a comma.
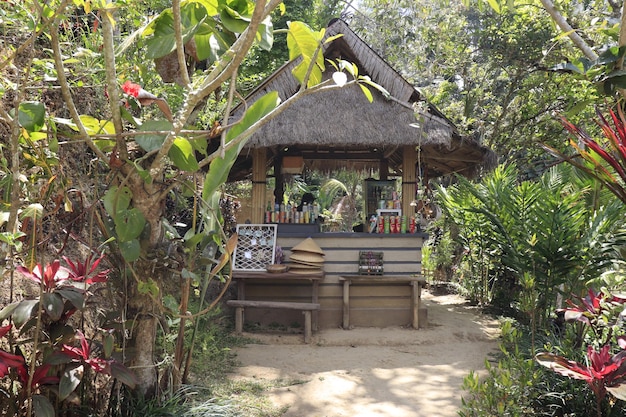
x,y
297,265
308,245
306,257
299,262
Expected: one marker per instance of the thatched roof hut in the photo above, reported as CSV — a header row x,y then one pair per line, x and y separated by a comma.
x,y
340,128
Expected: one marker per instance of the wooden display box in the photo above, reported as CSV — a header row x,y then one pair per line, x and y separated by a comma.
x,y
371,263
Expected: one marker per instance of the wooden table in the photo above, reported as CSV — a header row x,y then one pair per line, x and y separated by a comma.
x,y
416,283
315,276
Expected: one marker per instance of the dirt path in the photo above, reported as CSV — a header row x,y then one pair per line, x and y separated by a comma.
x,y
377,372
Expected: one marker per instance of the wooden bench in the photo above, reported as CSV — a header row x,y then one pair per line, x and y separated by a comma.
x,y
306,309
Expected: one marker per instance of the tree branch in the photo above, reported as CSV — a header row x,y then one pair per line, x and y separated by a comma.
x,y
111,81
567,28
224,69
180,46
67,95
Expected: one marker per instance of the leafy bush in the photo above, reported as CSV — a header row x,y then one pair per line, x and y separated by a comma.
x,y
55,357
516,386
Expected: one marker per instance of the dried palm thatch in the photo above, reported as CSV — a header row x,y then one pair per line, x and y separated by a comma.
x,y
341,128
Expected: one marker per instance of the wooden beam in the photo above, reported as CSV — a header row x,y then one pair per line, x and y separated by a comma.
x,y
409,178
259,185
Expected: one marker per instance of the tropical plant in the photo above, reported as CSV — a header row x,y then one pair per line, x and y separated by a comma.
x,y
605,158
602,314
546,230
56,358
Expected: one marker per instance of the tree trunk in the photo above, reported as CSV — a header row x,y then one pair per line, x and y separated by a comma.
x,y
144,304
142,314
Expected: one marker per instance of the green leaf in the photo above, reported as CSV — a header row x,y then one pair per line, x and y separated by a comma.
x,y
97,127
153,141
148,287
366,80
143,173
495,5
265,34
187,274
303,42
367,92
199,145
108,345
211,6
57,358
183,156
37,136
32,211
123,374
42,406
131,250
129,224
234,21
162,41
73,295
53,305
170,303
220,167
570,67
116,199
8,310
70,379
31,115
192,239
24,311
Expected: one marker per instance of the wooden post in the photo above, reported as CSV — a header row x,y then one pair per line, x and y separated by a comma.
x,y
279,183
384,169
239,320
307,326
409,178
346,304
415,303
259,185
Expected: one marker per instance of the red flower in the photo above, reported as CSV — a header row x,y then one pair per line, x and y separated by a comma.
x,y
131,88
53,275
81,272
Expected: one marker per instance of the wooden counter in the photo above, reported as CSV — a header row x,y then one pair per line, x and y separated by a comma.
x,y
415,282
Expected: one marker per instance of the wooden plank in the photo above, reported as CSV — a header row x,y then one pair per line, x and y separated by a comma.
x,y
389,255
376,291
380,303
380,317
273,304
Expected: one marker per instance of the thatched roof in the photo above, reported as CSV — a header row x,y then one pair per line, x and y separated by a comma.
x,y
340,128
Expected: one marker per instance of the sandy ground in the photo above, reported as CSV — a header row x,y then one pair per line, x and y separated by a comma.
x,y
394,372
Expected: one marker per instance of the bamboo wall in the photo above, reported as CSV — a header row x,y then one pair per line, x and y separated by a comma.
x,y
372,305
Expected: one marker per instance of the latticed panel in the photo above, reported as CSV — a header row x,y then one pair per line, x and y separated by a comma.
x,y
256,246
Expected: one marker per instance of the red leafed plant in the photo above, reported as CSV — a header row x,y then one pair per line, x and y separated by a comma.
x,y
50,367
605,370
602,158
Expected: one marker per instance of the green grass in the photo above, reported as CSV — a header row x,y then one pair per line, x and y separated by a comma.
x,y
214,361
